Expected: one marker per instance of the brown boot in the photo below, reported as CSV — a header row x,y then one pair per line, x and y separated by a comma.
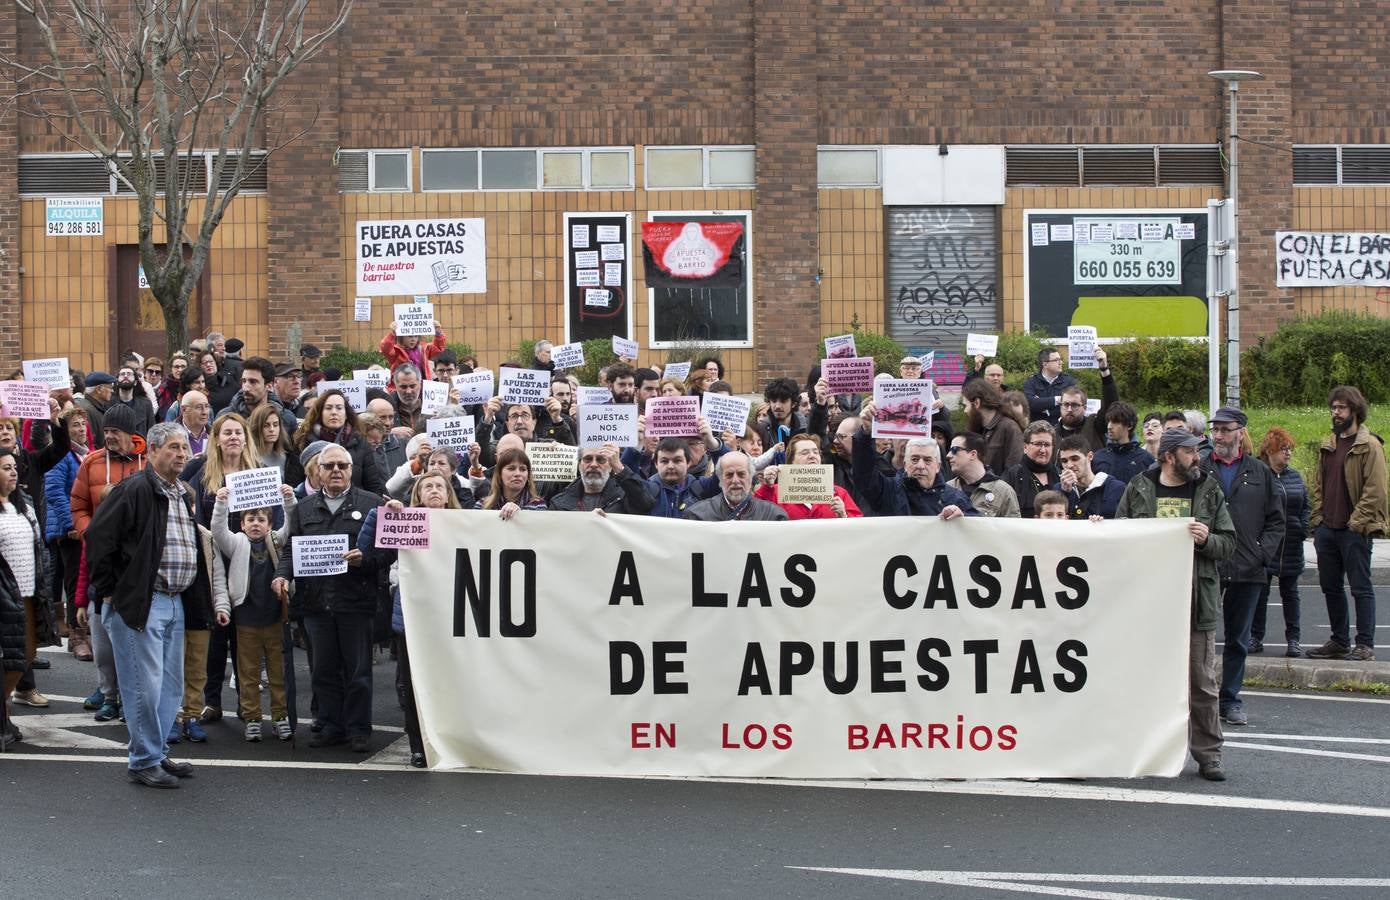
x,y
81,643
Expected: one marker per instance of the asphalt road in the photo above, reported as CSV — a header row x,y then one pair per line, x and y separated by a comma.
x,y
1308,803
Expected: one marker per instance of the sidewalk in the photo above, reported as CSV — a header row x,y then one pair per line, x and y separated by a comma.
x,y
1380,563
1273,668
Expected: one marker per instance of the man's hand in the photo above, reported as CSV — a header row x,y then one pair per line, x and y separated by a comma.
x,y
822,392
552,407
286,493
1199,532
403,432
770,475
1102,360
866,414
353,557
711,442
615,458
1068,480
951,512
281,588
491,408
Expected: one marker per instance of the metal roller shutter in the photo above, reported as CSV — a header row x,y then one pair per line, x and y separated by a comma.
x,y
942,275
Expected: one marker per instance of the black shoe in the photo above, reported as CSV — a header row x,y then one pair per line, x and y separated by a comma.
x,y
154,777
41,662
316,726
360,744
10,735
177,769
324,739
1256,647
417,760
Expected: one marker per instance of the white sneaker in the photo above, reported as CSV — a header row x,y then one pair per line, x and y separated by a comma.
x,y
283,730
253,731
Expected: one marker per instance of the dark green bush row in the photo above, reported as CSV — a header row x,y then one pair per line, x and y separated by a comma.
x,y
1304,359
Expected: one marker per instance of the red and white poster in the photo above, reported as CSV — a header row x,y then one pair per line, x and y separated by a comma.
x,y
693,254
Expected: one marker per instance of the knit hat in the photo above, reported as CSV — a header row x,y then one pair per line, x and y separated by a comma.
x,y
123,418
311,451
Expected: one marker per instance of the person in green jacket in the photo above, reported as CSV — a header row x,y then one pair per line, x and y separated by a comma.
x,y
1179,489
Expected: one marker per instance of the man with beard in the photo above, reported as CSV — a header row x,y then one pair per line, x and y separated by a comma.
x,y
735,500
1073,419
622,381
1122,457
1346,502
648,385
409,420
130,392
988,494
1179,489
1037,471
604,483
984,416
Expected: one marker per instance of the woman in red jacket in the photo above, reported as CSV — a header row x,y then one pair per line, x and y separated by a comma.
x,y
804,450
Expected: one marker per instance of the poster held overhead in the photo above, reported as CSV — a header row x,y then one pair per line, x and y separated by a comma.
x,y
407,257
474,387
902,407
414,319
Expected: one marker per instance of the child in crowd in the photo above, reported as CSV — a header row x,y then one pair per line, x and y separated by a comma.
x,y
247,601
1050,505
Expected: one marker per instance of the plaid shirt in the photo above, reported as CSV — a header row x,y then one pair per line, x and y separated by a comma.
x,y
179,564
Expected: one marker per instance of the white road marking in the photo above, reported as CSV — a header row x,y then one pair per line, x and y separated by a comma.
x,y
1017,881
1302,751
1315,738
1328,696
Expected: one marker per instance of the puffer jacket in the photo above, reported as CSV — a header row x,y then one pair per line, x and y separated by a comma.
x,y
1294,494
1140,501
899,495
1366,484
12,638
57,489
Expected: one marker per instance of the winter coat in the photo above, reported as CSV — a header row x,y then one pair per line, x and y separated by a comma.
x,y
671,501
899,495
100,472
716,509
396,354
1364,472
288,423
1102,498
365,473
125,543
625,492
354,591
799,425
57,490
34,466
234,557
798,511
1140,501
1294,495
12,624
1026,485
991,496
1093,427
1043,405
1258,514
1122,461
1003,443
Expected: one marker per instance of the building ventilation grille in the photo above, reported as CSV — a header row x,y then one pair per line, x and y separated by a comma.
x,y
1315,165
256,178
352,171
1121,166
199,174
1189,165
1043,166
49,175
1366,165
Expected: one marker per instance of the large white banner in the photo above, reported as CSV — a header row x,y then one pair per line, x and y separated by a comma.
x,y
1327,258
421,256
578,645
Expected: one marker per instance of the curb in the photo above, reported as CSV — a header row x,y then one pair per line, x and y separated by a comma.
x,y
1314,673
1380,577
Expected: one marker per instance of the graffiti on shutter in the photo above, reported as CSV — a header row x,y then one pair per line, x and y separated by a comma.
x,y
943,275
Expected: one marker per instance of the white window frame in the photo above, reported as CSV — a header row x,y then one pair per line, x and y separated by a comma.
x,y
878,165
704,149
409,170
665,214
586,171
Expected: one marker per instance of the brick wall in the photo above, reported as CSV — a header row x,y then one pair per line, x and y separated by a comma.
x,y
10,350
1340,94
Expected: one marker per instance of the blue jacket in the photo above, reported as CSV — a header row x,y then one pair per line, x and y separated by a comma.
x,y
671,502
1293,492
1100,500
1122,461
381,559
57,492
899,495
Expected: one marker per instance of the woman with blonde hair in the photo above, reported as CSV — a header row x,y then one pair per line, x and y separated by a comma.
x,y
672,387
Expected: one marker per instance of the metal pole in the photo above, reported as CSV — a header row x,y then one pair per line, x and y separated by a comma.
x,y
1233,300
1216,231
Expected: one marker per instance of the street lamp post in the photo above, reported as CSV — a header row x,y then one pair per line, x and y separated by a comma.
x,y
1232,79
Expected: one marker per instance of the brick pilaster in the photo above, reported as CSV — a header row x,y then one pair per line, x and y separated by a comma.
x,y
10,336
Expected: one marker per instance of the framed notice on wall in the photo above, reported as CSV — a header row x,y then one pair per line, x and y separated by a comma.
x,y
598,276
1140,272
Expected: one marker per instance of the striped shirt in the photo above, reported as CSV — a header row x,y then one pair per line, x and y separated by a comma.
x,y
178,565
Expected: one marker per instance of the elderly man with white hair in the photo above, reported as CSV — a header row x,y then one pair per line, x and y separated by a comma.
x,y
917,491
735,500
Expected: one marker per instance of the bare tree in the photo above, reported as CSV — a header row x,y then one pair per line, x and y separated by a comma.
x,y
152,86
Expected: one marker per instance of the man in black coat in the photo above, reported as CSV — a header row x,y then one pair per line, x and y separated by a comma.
x,y
605,483
145,558
1044,387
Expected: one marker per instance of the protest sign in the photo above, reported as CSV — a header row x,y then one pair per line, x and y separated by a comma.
x,y
52,372
414,319
24,400
673,417
372,378
452,434
1324,259
421,256
552,461
318,555
593,396
568,356
1092,406
902,407
402,529
976,648
529,386
612,423
928,360
679,371
433,395
1081,347
805,484
840,346
362,309
986,345
254,489
624,348
848,374
355,392
474,387
725,413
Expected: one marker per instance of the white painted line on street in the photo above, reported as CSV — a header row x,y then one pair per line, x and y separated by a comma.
x,y
216,763
1334,697
1016,881
1301,751
1315,738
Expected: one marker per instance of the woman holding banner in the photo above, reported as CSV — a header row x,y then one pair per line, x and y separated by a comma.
x,y
804,450
512,486
431,491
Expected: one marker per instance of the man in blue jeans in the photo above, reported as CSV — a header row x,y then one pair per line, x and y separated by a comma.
x,y
145,560
1258,513
1347,510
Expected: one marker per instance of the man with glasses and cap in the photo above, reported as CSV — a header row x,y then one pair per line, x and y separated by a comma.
x,y
1178,488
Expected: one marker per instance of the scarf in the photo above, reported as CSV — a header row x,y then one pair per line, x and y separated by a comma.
x,y
339,437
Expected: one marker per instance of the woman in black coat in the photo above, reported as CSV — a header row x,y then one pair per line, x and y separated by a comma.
x,y
1276,450
332,419
25,615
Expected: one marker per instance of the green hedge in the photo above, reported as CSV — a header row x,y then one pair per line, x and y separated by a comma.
x,y
1304,359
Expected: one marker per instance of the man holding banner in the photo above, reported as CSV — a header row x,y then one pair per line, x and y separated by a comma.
x,y
605,484
1179,489
735,500
918,490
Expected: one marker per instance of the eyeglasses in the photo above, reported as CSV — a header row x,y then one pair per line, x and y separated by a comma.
x,y
1073,406
517,417
335,465
952,451
1041,445
586,460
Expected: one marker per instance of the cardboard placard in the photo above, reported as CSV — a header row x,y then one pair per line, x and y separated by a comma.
x,y
568,356
840,346
52,372
372,378
677,370
402,529
362,309
452,434
986,345
551,461
612,423
593,396
1081,347
849,374
254,489
902,407
673,417
474,387
624,348
528,386
433,395
414,319
355,392
726,413
319,555
805,484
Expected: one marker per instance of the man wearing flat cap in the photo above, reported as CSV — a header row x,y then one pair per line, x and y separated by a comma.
x,y
1258,513
1178,488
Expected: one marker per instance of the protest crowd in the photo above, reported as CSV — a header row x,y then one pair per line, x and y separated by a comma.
x,y
148,521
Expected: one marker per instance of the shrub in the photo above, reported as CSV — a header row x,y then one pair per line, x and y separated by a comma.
x,y
887,353
1149,372
1304,359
